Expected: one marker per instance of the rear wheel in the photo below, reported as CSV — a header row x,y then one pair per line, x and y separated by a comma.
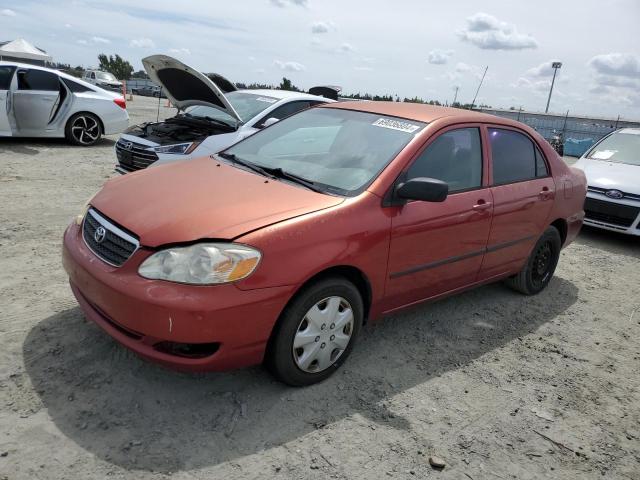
x,y
537,272
83,129
316,332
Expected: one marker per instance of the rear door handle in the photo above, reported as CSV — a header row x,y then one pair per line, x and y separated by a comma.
x,y
482,205
545,194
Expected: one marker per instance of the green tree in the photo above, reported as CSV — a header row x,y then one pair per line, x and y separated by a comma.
x,y
286,84
120,68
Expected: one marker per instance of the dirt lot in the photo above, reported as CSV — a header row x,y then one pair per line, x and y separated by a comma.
x,y
496,384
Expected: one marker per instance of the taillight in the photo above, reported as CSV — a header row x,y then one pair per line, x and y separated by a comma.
x,y
120,102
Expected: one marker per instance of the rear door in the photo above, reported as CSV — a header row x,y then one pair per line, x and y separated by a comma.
x,y
438,247
35,99
6,74
523,192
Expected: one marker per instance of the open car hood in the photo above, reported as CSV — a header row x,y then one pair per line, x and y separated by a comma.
x,y
185,86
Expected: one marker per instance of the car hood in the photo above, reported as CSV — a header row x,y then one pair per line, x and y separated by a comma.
x,y
613,175
202,199
185,86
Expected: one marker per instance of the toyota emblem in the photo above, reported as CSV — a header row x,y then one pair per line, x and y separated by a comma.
x,y
99,235
617,194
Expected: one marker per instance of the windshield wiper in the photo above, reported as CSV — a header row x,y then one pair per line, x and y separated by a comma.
x,y
252,166
272,172
280,173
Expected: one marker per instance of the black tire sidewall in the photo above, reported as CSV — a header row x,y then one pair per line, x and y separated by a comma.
x,y
553,235
69,136
280,356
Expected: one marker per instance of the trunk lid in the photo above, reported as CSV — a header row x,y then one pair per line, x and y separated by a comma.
x,y
185,86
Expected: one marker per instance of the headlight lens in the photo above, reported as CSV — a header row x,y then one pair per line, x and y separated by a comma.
x,y
202,264
178,148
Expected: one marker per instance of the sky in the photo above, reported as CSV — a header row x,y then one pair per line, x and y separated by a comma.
x,y
403,47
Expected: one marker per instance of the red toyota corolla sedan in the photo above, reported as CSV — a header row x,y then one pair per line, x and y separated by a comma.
x,y
279,248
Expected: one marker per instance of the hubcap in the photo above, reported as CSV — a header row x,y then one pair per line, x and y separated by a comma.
x,y
323,334
85,130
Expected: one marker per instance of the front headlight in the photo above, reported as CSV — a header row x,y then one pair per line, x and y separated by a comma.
x,y
178,148
202,263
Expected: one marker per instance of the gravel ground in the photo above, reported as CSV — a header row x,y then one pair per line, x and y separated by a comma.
x,y
496,384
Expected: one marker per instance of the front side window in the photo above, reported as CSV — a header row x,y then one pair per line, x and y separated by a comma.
x,y
37,80
515,158
342,151
454,157
620,147
286,110
6,74
247,105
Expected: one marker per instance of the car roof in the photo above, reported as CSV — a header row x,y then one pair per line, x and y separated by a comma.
x,y
421,112
285,94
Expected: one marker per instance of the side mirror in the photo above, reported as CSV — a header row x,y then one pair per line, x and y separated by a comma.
x,y
269,121
425,189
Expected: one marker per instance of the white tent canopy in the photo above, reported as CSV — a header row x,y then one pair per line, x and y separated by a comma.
x,y
21,49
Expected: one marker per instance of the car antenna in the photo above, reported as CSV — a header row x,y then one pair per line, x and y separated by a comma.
x,y
159,99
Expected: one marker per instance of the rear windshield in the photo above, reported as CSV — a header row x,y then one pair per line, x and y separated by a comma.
x,y
106,76
248,105
340,150
620,147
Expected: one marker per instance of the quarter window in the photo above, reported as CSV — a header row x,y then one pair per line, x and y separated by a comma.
x,y
454,157
37,80
515,157
286,110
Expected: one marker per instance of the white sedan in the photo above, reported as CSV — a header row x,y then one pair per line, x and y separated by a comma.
x,y
41,102
211,115
612,168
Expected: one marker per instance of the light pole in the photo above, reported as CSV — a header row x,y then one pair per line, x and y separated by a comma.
x,y
555,66
455,97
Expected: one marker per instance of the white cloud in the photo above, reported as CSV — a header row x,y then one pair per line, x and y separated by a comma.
x,y
82,42
320,27
439,57
463,67
616,64
180,51
142,43
289,66
363,69
346,48
541,71
6,12
286,3
251,58
487,32
616,78
100,40
67,25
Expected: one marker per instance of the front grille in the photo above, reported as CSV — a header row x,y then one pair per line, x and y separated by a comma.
x,y
603,191
115,246
134,156
609,212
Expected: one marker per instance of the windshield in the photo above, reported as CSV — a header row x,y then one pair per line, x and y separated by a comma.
x,y
341,150
620,147
248,105
106,76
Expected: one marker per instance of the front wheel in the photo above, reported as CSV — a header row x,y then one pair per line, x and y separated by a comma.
x,y
316,332
83,129
542,262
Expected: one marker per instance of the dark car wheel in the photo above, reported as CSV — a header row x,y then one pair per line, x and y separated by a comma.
x,y
542,262
83,129
316,332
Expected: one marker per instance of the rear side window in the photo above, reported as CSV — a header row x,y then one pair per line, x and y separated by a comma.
x,y
515,157
76,87
6,73
454,157
37,80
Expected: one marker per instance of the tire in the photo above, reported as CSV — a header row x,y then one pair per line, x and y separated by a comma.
x,y
324,319
540,266
83,129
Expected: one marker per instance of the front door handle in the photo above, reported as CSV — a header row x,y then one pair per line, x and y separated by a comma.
x,y
482,205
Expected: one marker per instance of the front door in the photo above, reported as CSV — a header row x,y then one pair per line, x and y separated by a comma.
x,y
35,99
6,74
438,247
523,194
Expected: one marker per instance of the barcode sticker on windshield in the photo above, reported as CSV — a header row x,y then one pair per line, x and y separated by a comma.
x,y
603,154
396,125
266,99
